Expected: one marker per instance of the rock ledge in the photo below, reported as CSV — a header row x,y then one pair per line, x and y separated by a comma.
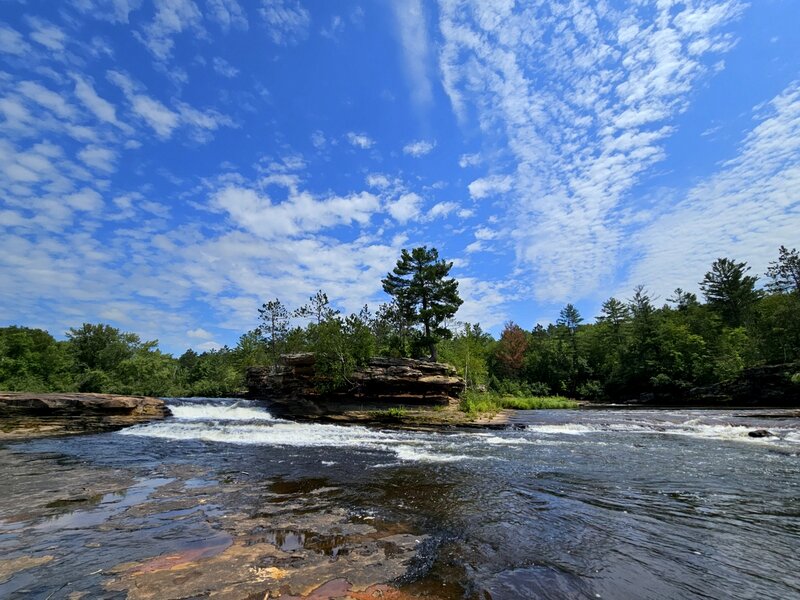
x,y
30,414
292,387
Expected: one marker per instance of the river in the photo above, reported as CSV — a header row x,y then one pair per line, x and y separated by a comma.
x,y
569,504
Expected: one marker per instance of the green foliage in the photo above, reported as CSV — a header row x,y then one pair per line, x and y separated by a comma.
x,y
274,326
633,347
785,272
397,412
424,294
729,291
468,351
476,403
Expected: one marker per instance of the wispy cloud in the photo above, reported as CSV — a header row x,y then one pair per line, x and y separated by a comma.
x,y
228,14
419,148
583,120
48,35
287,21
223,67
172,18
164,120
413,34
744,211
115,11
12,42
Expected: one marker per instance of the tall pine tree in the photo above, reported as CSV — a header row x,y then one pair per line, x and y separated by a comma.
x,y
420,285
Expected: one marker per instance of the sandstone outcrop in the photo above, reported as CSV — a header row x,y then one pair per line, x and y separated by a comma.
x,y
26,414
292,387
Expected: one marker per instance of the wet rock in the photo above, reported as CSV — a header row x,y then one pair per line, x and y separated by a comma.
x,y
760,433
27,414
9,566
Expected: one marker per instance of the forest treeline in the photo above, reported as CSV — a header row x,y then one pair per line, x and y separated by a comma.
x,y
639,344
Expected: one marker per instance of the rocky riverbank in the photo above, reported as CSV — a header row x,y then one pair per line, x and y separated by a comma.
x,y
235,536
28,414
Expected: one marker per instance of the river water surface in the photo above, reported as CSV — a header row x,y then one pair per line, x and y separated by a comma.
x,y
570,504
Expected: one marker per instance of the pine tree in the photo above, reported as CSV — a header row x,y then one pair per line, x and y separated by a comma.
x,y
420,286
275,319
729,291
785,272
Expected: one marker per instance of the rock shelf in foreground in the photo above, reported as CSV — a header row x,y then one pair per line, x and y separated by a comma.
x,y
30,414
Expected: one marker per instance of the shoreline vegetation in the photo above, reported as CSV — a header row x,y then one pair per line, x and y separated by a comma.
x,y
635,350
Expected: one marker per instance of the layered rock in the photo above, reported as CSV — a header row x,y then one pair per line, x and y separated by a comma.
x,y
292,387
26,414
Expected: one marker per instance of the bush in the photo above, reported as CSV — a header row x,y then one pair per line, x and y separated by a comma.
x,y
476,403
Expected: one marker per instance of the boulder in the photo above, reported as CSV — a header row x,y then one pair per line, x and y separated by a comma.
x,y
760,433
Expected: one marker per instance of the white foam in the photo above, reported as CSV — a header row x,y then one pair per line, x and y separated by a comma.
x,y
495,440
412,454
289,434
211,412
691,428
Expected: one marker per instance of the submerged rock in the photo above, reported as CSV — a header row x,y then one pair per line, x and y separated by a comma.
x,y
760,433
28,414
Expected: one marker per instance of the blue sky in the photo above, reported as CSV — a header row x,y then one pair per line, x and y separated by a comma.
x,y
169,165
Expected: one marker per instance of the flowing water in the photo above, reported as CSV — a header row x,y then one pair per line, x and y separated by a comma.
x,y
568,504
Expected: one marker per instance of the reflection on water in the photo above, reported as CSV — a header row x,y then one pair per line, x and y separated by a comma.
x,y
572,504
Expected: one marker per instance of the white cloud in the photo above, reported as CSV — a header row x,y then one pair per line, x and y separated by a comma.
x,y
172,18
318,139
101,108
333,30
46,98
87,200
469,160
484,301
441,209
465,213
47,34
223,67
412,31
360,140
11,41
199,334
744,211
419,148
162,119
156,115
582,98
301,213
228,14
406,207
115,11
100,158
286,20
378,180
489,186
